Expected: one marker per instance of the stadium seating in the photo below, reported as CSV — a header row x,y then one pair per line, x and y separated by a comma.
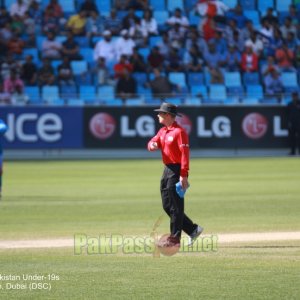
x,y
195,79
158,5
230,3
33,92
283,5
177,78
254,91
217,92
247,4
50,93
232,79
263,5
68,92
173,4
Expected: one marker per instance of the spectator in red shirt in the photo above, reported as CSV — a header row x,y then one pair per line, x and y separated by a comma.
x,y
155,59
209,29
122,65
11,83
173,142
285,58
249,60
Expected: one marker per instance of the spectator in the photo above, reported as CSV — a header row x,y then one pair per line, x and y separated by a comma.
x,y
124,45
194,40
35,12
176,36
29,24
137,35
238,41
113,23
155,59
101,72
51,48
6,33
237,14
19,97
122,65
5,97
165,45
294,14
173,61
249,60
273,85
15,46
70,48
213,58
11,83
29,71
297,56
266,31
137,61
89,7
8,66
46,74
274,43
216,75
19,8
130,19
178,18
56,8
291,41
269,66
4,17
294,123
270,17
248,30
192,60
285,58
220,42
255,43
208,29
160,86
94,24
17,24
76,23
65,74
287,27
105,48
126,86
148,24
137,4
50,22
233,59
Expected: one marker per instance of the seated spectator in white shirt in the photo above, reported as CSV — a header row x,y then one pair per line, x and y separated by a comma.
x,y
124,45
19,8
149,24
50,48
255,43
105,48
178,18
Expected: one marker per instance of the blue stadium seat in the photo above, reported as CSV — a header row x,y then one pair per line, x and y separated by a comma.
x,y
50,93
173,4
289,79
177,78
270,101
254,91
144,52
87,54
144,92
112,102
140,77
263,5
231,101
253,15
32,51
55,64
283,5
75,102
174,100
161,17
68,92
232,79
79,67
134,102
33,92
103,5
217,92
194,19
235,92
68,6
8,3
251,78
230,3
195,78
158,5
154,41
106,92
250,101
82,41
193,101
199,91
87,93
248,4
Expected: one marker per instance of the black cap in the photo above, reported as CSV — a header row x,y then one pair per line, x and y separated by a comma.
x,y
168,108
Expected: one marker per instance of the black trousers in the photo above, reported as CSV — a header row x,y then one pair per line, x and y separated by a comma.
x,y
174,205
294,134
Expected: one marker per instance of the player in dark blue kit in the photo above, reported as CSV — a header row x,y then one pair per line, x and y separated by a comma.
x,y
3,128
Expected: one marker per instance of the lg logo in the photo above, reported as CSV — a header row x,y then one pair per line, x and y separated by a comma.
x,y
102,126
255,126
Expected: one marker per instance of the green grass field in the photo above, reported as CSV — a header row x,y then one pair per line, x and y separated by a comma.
x,y
45,200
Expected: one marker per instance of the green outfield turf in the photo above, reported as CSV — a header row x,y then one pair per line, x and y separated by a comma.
x,y
45,200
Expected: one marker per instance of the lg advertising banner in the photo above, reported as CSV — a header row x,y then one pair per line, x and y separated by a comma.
x,y
42,127
208,127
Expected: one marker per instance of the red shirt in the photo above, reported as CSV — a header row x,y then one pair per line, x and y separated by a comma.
x,y
174,144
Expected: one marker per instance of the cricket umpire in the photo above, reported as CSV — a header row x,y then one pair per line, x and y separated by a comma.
x,y
3,128
173,142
